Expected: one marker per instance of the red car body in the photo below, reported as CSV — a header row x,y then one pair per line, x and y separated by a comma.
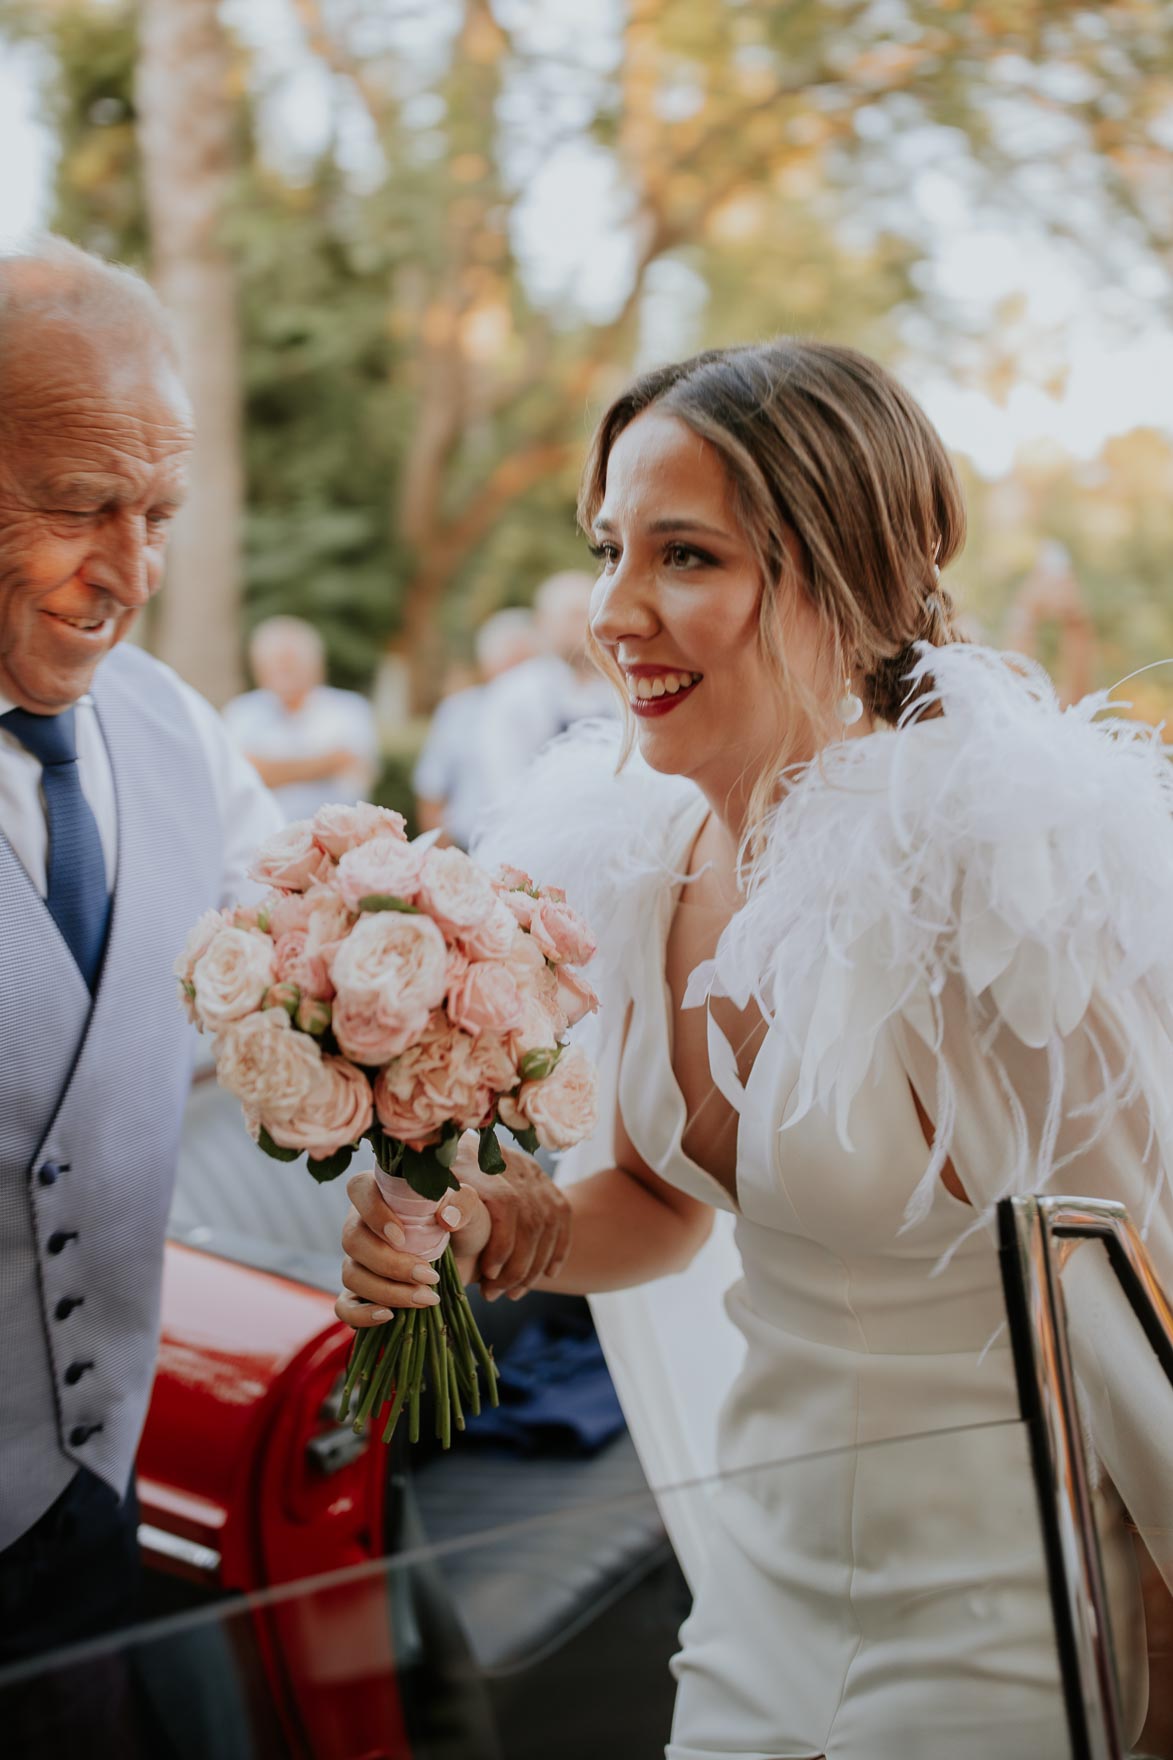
x,y
247,1482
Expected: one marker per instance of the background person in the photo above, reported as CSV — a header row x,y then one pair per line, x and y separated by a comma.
x,y
544,696
126,812
449,781
309,742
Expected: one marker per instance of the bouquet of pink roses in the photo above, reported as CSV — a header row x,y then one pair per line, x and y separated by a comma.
x,y
391,990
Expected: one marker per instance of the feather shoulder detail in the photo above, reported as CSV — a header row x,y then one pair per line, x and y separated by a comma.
x,y
1020,849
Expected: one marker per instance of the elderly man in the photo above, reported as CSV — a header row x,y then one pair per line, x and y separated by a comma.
x,y
125,813
309,742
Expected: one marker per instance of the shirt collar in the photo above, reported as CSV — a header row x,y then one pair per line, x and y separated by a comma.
x,y
85,702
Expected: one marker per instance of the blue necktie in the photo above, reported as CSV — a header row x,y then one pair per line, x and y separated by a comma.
x,y
77,897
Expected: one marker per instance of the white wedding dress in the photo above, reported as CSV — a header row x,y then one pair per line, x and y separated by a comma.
x,y
868,1572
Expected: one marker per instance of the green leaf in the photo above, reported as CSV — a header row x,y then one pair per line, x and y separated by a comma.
x,y
426,1175
332,1166
265,1142
386,901
489,1156
535,1066
528,1140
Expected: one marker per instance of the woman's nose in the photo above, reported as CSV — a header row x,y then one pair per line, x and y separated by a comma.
x,y
621,606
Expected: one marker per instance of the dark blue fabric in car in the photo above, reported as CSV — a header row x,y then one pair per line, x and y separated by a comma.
x,y
556,1393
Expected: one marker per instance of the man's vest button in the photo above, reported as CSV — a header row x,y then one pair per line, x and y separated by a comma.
x,y
49,1173
66,1306
81,1433
61,1239
75,1372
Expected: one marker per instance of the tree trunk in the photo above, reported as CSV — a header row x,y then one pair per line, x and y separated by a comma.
x,y
186,133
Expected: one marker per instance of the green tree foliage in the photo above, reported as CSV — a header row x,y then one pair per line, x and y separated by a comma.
x,y
417,403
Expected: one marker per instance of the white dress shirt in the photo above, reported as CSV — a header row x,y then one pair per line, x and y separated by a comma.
x,y
248,811
329,720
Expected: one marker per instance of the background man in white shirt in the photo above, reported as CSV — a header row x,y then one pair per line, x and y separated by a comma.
x,y
124,811
541,698
449,782
309,742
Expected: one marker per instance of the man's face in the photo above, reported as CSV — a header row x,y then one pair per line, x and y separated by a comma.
x,y
95,438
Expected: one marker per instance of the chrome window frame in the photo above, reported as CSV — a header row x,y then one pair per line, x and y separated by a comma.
x,y
1030,1231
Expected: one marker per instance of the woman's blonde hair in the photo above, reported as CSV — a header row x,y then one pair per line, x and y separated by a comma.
x,y
846,493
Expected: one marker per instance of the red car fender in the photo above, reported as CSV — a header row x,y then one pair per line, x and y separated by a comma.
x,y
234,1492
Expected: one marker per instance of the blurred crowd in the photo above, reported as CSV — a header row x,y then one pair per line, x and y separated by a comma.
x,y
530,680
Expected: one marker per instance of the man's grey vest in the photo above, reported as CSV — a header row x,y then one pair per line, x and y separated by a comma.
x,y
92,1094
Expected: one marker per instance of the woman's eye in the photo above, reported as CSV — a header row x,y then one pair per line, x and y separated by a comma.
x,y
607,554
686,556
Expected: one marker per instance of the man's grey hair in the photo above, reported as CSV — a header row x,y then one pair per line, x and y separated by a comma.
x,y
287,632
505,633
54,280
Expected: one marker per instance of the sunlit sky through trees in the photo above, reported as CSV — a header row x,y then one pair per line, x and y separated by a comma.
x,y
1093,361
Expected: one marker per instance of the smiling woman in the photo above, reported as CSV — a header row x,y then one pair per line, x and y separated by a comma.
x,y
879,942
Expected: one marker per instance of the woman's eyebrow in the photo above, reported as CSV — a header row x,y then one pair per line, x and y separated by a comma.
x,y
671,523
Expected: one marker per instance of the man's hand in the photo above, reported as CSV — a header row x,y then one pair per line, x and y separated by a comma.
x,y
529,1221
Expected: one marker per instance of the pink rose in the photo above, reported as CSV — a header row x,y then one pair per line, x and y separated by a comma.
x,y
575,996
486,999
290,859
563,1107
510,879
332,1114
266,1064
231,976
536,1031
561,933
397,955
328,919
440,1079
370,1031
340,828
520,905
294,962
526,961
385,865
199,938
454,891
493,937
286,911
458,964
494,1062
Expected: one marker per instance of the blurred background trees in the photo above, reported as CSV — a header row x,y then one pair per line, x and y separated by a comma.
x,y
410,270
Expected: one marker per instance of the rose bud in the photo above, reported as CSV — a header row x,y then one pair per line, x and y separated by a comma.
x,y
286,996
313,1016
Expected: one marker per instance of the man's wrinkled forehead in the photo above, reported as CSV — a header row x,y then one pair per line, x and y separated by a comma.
x,y
56,373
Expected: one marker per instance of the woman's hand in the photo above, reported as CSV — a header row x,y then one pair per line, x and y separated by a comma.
x,y
508,1229
378,1274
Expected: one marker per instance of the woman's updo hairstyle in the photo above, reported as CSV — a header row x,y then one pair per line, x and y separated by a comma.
x,y
835,466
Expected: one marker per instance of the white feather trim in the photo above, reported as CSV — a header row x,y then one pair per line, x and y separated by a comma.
x,y
1014,850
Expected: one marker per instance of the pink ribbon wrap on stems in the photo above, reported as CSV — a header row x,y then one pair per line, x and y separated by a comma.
x,y
426,1238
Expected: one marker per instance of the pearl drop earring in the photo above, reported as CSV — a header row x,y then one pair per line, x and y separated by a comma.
x,y
849,708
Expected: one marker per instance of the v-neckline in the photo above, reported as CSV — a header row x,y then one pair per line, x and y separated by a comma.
x,y
731,1199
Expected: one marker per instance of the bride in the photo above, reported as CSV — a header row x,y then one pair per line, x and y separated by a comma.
x,y
885,935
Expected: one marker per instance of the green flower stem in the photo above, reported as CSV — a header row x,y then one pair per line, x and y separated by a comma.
x,y
440,1348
